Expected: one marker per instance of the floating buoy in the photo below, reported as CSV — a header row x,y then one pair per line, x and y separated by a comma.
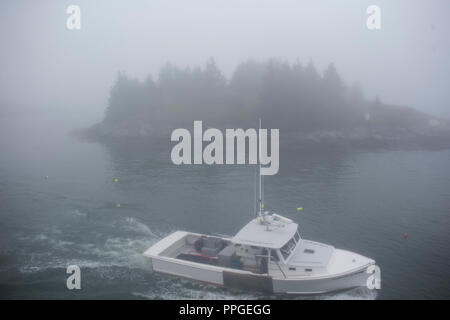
x,y
116,180
299,209
118,205
405,235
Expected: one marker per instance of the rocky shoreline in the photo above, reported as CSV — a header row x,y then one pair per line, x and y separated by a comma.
x,y
430,137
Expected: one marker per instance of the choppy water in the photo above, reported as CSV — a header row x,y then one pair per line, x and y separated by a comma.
x,y
362,201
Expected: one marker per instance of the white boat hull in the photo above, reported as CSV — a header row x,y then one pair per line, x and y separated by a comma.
x,y
258,282
188,270
316,286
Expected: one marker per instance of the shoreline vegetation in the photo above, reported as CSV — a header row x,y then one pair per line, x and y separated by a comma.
x,y
312,110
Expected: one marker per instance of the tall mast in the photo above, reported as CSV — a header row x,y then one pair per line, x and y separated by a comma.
x,y
259,160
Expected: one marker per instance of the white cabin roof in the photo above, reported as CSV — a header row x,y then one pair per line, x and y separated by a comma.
x,y
311,254
257,234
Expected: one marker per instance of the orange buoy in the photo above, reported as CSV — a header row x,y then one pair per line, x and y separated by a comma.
x,y
405,235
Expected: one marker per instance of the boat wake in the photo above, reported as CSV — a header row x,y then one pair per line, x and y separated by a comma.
x,y
51,250
352,294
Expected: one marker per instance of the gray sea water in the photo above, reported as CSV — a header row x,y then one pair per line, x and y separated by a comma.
x,y
360,201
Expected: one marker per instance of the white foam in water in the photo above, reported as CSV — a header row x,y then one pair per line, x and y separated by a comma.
x,y
58,264
133,224
173,289
55,243
77,213
114,252
353,294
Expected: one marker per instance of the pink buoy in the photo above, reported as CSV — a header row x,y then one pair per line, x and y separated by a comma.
x,y
405,235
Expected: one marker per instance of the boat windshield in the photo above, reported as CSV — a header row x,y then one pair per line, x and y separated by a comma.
x,y
287,249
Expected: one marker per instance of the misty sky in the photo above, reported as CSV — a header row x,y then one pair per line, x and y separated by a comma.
x,y
45,65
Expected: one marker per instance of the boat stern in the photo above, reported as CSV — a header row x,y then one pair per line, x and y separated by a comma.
x,y
163,246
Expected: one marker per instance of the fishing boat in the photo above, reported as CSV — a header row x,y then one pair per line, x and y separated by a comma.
x,y
268,255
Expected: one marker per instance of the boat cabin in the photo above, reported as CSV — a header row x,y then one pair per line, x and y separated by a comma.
x,y
269,238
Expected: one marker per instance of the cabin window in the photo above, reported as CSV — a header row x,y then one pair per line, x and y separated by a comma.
x,y
288,248
292,268
308,270
274,256
297,237
310,251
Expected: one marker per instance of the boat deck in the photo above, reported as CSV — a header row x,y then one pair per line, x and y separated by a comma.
x,y
189,253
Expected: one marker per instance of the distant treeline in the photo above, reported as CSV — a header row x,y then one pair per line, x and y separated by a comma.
x,y
288,96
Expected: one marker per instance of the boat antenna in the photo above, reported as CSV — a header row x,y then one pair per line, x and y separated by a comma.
x,y
255,209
